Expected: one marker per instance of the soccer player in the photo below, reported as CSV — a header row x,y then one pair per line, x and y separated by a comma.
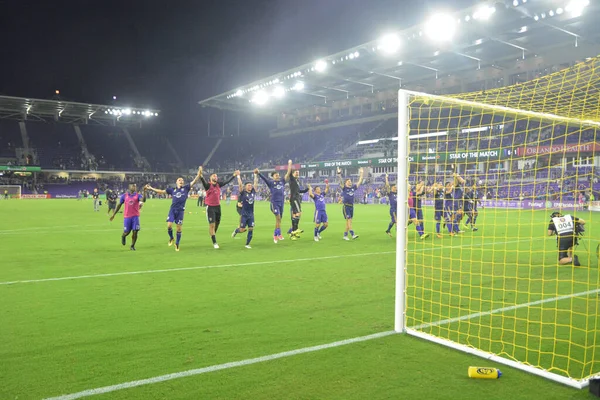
x,y
277,187
419,192
567,228
457,204
449,207
320,214
246,203
131,216
96,197
213,202
201,194
392,192
111,200
471,200
5,194
438,206
348,190
179,196
295,200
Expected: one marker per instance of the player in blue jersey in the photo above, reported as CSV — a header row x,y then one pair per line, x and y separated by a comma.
x,y
457,204
179,195
438,195
246,201
321,220
449,207
348,191
418,193
277,187
392,192
471,201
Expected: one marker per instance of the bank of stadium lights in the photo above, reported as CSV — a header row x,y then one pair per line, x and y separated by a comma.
x,y
128,111
389,44
299,86
320,66
575,9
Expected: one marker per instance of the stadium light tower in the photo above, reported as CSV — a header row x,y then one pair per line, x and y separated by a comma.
x,y
575,7
441,27
321,66
389,44
260,98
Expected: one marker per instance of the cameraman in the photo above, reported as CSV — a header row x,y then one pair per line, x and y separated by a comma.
x,y
568,229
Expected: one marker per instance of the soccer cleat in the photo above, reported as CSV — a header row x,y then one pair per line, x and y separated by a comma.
x,y
316,238
354,236
409,222
216,246
459,231
275,238
319,236
389,233
475,229
576,261
248,246
439,235
452,234
280,237
171,241
293,237
346,238
131,248
424,236
234,233
176,247
123,240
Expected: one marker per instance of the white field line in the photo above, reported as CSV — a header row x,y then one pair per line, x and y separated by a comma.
x,y
155,271
219,367
503,309
213,368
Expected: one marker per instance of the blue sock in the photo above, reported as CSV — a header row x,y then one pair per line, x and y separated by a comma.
x,y
275,232
474,219
249,237
420,229
468,220
437,227
170,231
455,227
449,226
178,238
316,231
237,230
345,233
390,226
322,228
290,230
351,233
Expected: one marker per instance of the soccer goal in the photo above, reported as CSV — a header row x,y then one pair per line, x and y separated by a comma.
x,y
14,191
492,167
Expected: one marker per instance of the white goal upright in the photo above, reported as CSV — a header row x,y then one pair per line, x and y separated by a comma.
x,y
13,191
487,280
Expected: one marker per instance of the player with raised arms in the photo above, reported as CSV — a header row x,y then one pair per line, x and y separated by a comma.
x,y
438,195
213,202
449,207
348,191
295,200
131,216
471,198
277,187
246,204
457,204
321,220
567,228
418,194
392,192
179,196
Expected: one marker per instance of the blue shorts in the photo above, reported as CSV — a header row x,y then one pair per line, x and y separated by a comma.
x,y
393,215
247,221
457,205
412,213
419,213
176,216
277,208
468,207
320,217
348,211
439,214
131,224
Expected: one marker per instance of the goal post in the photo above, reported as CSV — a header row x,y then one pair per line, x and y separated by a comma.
x,y
483,179
13,191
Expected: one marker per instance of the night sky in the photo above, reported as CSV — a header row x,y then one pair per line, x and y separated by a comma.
x,y
171,54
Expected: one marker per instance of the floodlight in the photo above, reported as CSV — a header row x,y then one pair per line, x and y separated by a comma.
x,y
351,56
575,7
515,3
356,54
523,29
478,41
536,17
105,111
551,13
260,97
559,11
156,114
278,92
114,97
127,111
440,27
298,86
389,43
238,93
321,66
484,13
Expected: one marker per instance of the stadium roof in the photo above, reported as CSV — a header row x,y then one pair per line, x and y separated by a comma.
x,y
71,112
488,34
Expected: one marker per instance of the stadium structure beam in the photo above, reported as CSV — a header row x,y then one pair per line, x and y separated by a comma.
x,y
425,67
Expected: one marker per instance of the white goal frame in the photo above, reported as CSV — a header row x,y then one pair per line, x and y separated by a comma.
x,y
4,187
401,230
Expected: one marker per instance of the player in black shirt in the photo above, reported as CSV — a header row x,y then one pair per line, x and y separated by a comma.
x,y
567,228
111,200
295,200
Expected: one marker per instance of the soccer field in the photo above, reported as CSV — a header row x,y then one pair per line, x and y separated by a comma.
x,y
78,311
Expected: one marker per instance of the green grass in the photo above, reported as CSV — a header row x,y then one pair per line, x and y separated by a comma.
x,y
66,336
